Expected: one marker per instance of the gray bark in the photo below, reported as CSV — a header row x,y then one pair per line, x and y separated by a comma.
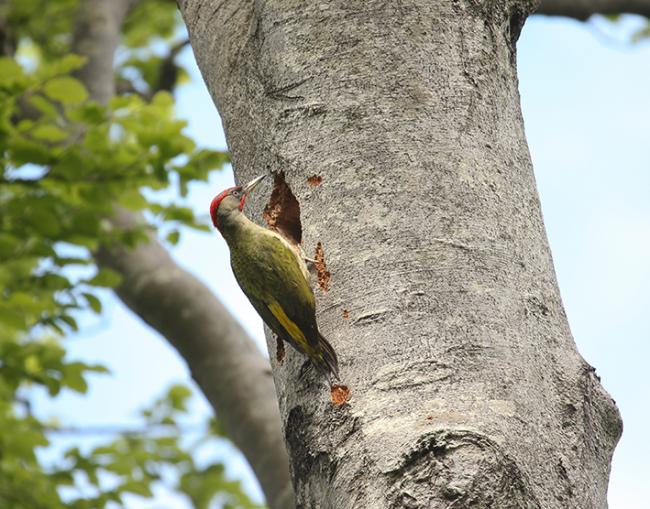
x,y
222,358
467,389
583,9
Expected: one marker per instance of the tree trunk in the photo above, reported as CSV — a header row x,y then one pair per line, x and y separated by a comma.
x,y
467,389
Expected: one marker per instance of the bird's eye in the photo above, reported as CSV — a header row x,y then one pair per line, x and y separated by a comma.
x,y
236,193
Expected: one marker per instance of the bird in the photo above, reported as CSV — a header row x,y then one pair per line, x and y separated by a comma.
x,y
274,276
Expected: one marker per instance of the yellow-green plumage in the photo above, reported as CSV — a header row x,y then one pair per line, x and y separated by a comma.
x,y
276,281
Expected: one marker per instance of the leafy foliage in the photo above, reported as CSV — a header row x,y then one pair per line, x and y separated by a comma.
x,y
67,166
135,461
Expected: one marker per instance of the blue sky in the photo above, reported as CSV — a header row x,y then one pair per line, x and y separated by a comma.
x,y
587,112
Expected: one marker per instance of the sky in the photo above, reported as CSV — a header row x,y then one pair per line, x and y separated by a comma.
x,y
587,116
584,92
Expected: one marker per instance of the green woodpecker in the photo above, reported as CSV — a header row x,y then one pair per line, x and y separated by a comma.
x,y
274,277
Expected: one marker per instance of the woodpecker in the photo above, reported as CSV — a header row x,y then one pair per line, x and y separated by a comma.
x,y
274,277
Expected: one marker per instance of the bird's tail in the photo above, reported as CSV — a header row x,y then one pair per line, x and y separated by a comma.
x,y
328,362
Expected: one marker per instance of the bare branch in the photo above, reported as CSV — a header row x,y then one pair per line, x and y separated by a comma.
x,y
7,37
96,36
168,70
146,430
583,9
167,75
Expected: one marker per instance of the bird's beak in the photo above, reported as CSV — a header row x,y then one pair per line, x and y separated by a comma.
x,y
252,184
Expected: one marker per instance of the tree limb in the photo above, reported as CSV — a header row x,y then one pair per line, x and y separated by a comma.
x,y
96,36
583,9
224,361
7,37
168,70
167,75
156,429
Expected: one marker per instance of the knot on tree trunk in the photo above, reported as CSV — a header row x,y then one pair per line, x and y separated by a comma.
x,y
468,470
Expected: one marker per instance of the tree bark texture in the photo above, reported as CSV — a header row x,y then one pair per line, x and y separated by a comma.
x,y
222,358
467,388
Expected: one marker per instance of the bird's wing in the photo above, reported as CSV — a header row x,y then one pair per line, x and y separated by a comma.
x,y
276,286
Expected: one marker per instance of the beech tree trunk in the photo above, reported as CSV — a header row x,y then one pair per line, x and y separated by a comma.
x,y
467,388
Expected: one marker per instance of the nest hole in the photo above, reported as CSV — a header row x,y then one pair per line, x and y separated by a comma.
x,y
282,212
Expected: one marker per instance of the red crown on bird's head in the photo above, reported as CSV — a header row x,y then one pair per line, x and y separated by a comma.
x,y
219,198
239,192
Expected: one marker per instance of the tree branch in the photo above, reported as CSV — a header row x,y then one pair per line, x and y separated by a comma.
x,y
224,361
168,70
583,9
167,75
96,36
156,429
7,37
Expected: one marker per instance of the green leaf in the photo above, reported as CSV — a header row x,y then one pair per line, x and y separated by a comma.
x,y
105,278
67,64
40,216
149,19
97,368
66,89
33,365
138,488
56,327
132,199
30,152
72,376
44,106
178,396
54,282
164,100
10,71
62,261
88,113
124,102
94,303
8,244
49,132
53,386
173,237
202,226
69,321
177,213
205,160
